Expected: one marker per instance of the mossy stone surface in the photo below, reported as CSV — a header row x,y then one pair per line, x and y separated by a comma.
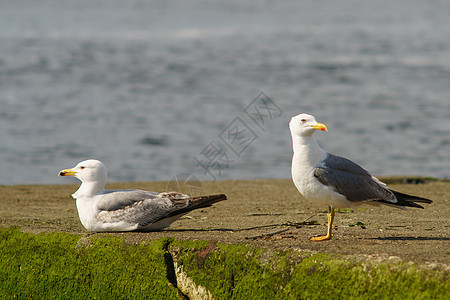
x,y
59,266
52,266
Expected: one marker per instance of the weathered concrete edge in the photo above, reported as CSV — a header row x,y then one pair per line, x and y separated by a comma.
x,y
381,263
188,260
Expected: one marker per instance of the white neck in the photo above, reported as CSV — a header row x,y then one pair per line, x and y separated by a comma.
x,y
89,189
307,151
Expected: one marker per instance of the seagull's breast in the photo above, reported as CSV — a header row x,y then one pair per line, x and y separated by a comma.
x,y
95,220
307,184
313,190
87,213
304,161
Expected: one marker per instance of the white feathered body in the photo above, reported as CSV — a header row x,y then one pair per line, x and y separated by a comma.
x,y
142,214
127,210
307,156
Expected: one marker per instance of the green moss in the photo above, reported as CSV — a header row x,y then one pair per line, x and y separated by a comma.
x,y
52,266
60,265
240,272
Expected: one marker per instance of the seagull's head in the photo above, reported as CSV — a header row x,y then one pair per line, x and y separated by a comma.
x,y
90,170
305,125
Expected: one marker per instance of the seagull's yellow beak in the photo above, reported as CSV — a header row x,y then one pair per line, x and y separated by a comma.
x,y
67,172
320,126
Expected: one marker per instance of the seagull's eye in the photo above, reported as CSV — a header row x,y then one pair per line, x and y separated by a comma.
x,y
82,167
303,120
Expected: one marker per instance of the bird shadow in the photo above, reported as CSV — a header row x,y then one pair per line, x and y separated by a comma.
x,y
197,230
410,238
288,224
222,229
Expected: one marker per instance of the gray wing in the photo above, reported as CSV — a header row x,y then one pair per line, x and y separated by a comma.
x,y
351,180
114,200
138,207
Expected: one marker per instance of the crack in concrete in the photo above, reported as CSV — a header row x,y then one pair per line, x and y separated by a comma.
x,y
178,278
170,271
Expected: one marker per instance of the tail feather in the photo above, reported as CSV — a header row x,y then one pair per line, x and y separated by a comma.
x,y
199,202
409,200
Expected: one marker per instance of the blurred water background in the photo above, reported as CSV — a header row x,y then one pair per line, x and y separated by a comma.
x,y
146,86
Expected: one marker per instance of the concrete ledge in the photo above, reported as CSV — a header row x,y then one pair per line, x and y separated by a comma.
x,y
57,265
255,241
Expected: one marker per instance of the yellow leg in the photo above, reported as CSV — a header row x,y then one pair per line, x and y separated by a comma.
x,y
330,226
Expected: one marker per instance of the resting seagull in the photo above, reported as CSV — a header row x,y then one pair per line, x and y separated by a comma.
x,y
335,181
127,210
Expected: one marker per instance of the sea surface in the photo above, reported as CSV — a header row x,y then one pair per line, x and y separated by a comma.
x,y
160,89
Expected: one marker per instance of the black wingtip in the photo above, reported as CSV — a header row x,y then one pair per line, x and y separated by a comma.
x,y
200,202
409,200
205,201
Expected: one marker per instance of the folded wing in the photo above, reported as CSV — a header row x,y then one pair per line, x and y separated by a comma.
x,y
139,207
357,184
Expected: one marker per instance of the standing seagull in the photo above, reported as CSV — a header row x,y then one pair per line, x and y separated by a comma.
x,y
333,180
127,210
